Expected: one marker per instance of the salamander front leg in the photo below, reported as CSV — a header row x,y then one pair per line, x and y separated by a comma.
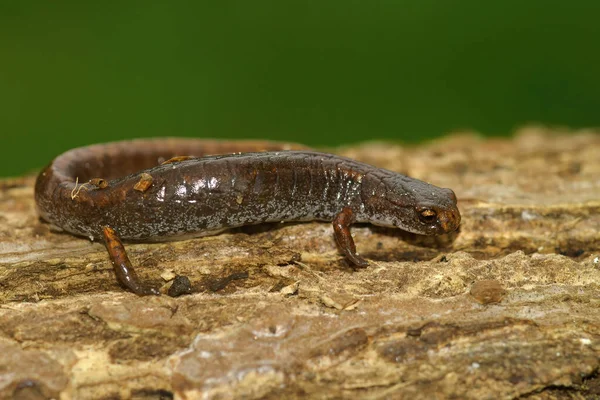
x,y
341,229
125,273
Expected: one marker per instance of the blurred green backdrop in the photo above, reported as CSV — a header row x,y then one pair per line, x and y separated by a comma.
x,y
320,72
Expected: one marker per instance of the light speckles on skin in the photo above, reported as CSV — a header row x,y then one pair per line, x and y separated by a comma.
x,y
196,195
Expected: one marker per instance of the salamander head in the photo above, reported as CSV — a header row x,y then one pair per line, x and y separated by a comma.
x,y
414,206
439,217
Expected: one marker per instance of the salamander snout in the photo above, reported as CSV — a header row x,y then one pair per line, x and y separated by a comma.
x,y
448,220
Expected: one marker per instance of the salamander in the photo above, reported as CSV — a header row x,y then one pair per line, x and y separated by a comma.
x,y
164,189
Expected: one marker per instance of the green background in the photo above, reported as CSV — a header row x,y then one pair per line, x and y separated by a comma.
x,y
320,72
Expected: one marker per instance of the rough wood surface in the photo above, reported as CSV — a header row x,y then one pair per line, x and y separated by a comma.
x,y
506,308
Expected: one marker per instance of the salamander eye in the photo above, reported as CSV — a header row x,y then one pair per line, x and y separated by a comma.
x,y
428,215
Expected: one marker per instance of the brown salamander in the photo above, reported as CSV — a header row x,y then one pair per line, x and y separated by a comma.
x,y
145,190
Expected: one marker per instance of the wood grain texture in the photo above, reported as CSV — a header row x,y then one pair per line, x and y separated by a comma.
x,y
505,308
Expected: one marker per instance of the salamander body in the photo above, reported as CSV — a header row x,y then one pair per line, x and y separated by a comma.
x,y
123,190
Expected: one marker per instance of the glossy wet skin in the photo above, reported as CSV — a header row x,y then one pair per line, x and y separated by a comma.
x,y
197,196
212,193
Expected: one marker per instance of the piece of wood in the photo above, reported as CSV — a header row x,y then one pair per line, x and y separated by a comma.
x,y
508,307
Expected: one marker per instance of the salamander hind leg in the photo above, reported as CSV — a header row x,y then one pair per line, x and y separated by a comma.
x,y
124,271
341,229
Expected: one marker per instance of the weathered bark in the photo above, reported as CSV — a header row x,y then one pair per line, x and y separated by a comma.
x,y
506,308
